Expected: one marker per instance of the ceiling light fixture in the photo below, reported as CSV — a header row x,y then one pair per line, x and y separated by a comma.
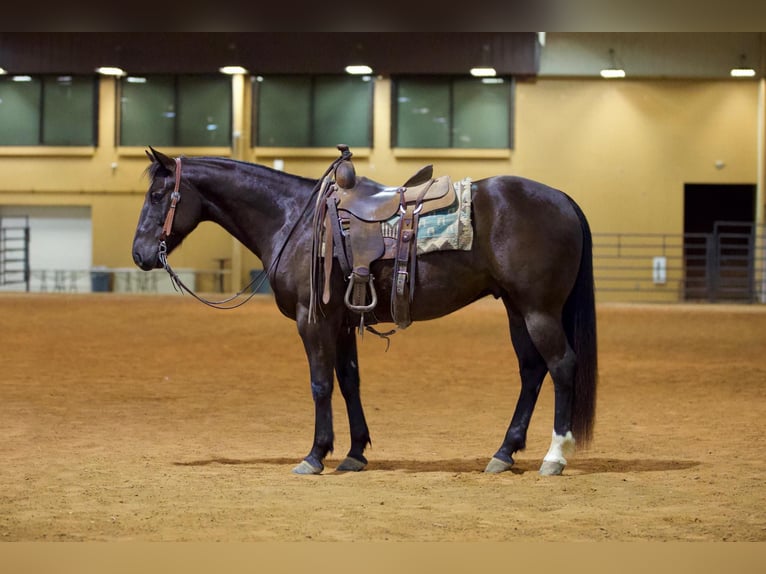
x,y
614,71
232,70
358,69
485,68
3,72
483,72
610,73
110,71
742,71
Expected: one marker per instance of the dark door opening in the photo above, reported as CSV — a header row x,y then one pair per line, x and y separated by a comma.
x,y
719,241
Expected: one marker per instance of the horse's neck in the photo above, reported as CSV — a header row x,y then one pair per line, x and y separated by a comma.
x,y
256,205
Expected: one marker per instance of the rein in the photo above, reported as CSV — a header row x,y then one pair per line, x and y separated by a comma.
x,y
257,281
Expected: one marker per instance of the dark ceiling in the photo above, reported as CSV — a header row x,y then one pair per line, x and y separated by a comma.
x,y
388,53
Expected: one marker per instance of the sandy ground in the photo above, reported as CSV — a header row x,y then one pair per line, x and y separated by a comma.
x,y
154,418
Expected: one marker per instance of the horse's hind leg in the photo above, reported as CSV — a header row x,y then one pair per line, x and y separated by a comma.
x,y
532,369
547,333
347,369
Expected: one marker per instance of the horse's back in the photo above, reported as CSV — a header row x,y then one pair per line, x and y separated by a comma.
x,y
530,233
520,200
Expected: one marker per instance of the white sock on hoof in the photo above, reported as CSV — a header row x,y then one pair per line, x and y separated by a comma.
x,y
561,447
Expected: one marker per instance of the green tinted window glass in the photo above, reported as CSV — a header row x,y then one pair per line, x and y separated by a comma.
x,y
147,111
423,113
204,111
313,111
453,113
481,114
284,111
69,111
20,111
342,111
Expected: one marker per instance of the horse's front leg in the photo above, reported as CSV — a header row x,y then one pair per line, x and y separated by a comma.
x,y
347,369
320,342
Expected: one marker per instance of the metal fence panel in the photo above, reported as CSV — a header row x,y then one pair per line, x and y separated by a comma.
x,y
728,264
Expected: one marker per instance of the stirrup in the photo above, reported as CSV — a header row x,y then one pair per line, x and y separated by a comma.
x,y
354,280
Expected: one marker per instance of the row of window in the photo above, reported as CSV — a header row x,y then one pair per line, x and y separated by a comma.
x,y
288,111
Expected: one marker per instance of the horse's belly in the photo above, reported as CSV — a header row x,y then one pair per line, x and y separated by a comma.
x,y
445,282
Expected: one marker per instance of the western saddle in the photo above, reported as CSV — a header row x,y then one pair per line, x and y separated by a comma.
x,y
355,222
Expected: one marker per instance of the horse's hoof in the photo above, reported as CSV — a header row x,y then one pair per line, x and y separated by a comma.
x,y
350,464
496,466
551,468
307,468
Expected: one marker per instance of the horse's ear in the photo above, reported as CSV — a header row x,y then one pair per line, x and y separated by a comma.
x,y
167,162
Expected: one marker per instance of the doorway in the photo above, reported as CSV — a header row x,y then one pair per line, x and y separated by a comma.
x,y
60,246
719,242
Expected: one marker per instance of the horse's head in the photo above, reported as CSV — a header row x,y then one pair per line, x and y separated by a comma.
x,y
162,218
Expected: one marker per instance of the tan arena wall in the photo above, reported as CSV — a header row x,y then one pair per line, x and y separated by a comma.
x,y
622,149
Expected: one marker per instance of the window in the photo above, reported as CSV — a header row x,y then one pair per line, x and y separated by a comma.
x,y
192,111
48,110
453,113
313,111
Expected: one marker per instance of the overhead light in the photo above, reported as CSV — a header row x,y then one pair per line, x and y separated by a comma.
x,y
483,68
483,72
2,72
135,80
358,69
22,78
614,71
492,81
110,71
742,73
232,70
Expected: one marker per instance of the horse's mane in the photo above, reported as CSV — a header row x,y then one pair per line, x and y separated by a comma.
x,y
155,166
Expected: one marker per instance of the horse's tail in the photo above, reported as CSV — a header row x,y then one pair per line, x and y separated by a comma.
x,y
580,326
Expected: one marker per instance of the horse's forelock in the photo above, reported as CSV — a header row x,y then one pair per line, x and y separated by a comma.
x,y
152,170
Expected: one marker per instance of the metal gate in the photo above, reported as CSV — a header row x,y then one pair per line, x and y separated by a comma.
x,y
14,251
720,266
728,264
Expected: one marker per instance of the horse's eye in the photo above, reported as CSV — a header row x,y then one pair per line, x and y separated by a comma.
x,y
156,196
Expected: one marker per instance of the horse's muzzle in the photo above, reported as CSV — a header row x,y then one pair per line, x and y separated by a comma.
x,y
144,262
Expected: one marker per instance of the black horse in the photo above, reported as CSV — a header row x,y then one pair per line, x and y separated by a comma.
x,y
531,248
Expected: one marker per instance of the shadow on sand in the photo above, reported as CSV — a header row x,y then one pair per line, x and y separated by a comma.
x,y
576,466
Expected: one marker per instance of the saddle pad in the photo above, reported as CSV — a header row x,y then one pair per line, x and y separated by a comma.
x,y
447,229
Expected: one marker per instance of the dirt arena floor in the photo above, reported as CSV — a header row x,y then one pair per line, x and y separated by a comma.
x,y
154,418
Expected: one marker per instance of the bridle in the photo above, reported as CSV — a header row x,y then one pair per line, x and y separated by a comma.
x,y
174,198
257,281
178,284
